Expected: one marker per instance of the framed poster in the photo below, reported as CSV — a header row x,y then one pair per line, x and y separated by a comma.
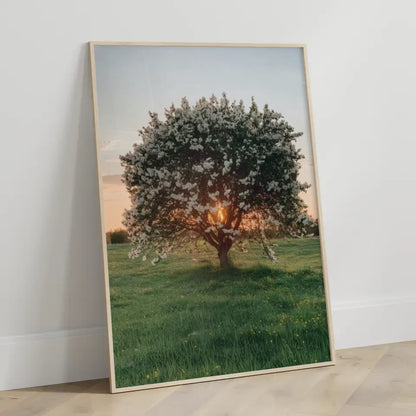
x,y
213,248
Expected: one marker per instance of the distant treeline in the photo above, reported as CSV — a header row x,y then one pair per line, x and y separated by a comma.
x,y
118,236
309,230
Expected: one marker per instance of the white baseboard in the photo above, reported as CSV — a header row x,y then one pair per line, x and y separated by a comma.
x,y
81,354
53,357
374,322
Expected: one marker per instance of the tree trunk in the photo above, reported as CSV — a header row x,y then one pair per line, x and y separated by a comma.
x,y
223,256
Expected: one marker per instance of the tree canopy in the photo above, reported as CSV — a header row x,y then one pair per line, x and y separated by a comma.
x,y
213,171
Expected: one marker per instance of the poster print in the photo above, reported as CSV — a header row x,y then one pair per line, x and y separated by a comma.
x,y
213,251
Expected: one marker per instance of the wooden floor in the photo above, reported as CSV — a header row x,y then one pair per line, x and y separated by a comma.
x,y
372,381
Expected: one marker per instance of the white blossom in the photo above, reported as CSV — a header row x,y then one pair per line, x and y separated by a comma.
x,y
191,174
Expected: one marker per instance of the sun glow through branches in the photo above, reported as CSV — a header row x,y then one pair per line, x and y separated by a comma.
x,y
220,213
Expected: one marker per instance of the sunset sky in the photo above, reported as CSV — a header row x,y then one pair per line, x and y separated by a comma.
x,y
133,80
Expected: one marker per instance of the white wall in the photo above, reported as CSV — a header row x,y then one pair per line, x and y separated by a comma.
x,y
362,63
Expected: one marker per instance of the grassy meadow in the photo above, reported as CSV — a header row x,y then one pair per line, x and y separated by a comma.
x,y
185,317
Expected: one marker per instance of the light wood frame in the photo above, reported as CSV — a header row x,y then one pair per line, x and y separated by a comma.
x,y
113,387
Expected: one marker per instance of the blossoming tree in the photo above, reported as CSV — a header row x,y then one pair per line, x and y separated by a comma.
x,y
216,172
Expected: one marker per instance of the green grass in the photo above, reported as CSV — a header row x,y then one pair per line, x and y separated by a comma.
x,y
186,318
